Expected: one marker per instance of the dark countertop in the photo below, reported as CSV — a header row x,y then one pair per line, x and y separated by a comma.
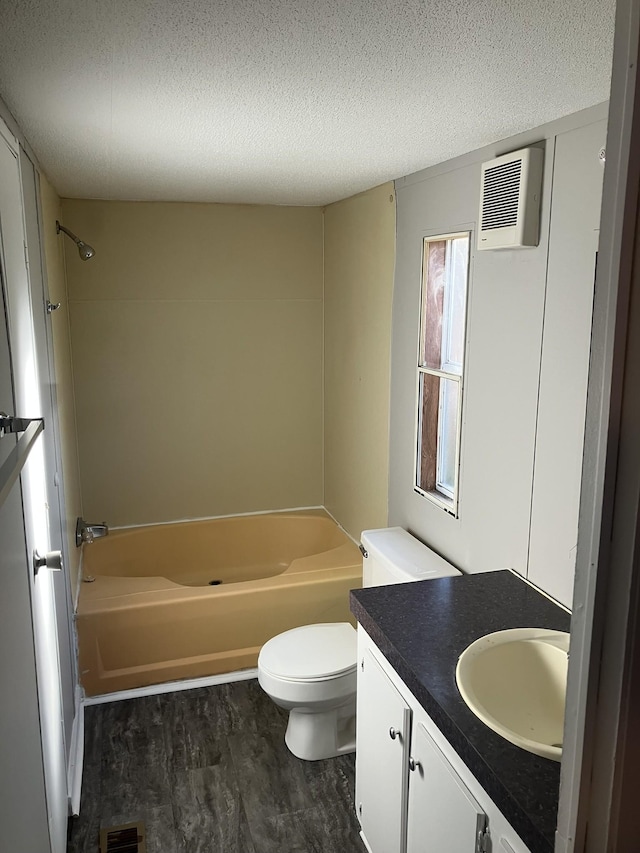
x,y
422,628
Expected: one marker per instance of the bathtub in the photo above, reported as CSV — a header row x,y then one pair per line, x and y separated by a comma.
x,y
186,600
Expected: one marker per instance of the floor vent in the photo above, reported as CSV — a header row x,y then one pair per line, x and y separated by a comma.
x,y
128,838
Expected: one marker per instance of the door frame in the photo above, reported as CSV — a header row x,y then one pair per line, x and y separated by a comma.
x,y
600,772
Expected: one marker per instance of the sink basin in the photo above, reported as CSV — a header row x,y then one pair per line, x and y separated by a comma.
x,y
515,681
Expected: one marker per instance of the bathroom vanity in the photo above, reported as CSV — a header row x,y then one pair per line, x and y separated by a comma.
x,y
429,774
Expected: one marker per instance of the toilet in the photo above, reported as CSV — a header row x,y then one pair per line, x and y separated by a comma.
x,y
311,671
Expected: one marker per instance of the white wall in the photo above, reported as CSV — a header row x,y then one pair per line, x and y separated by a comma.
x,y
513,305
573,243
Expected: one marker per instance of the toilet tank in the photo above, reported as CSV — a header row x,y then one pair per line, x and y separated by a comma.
x,y
391,555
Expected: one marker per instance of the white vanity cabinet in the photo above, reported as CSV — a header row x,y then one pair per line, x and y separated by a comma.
x,y
442,813
383,724
413,792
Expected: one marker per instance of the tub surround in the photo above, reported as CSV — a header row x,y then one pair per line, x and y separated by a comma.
x,y
422,629
211,310
359,255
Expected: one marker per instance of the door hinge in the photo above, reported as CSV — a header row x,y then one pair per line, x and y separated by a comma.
x,y
483,840
26,256
362,664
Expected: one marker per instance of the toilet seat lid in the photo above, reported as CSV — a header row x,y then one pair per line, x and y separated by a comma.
x,y
311,653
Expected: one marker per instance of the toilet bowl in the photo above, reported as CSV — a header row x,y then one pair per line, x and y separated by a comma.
x,y
311,671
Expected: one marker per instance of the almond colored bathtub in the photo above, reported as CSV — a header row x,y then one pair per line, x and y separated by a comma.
x,y
152,614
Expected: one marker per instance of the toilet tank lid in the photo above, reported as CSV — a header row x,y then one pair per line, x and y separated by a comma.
x,y
311,652
404,555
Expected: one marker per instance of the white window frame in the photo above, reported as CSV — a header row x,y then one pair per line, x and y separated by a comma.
x,y
442,495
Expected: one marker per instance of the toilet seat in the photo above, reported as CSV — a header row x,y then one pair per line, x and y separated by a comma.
x,y
312,653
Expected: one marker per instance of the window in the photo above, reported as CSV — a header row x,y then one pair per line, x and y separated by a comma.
x,y
445,272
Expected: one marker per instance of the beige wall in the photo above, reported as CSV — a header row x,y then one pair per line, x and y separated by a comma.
x,y
64,376
197,350
359,265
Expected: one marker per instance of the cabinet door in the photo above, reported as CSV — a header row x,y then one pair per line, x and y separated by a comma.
x,y
382,734
442,814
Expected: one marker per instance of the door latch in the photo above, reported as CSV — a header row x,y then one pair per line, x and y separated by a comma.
x,y
51,560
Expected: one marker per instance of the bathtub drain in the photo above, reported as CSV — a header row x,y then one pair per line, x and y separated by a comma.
x,y
214,583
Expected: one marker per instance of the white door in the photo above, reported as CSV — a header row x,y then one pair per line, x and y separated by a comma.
x,y
23,811
442,813
383,724
28,403
55,496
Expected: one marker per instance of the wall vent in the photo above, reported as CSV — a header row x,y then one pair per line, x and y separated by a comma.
x,y
128,838
510,200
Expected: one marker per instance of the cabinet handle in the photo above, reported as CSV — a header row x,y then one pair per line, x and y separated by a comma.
x,y
393,733
414,765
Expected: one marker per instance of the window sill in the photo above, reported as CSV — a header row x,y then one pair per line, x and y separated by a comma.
x,y
440,500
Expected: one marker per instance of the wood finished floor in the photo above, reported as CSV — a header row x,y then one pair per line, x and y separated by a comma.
x,y
208,772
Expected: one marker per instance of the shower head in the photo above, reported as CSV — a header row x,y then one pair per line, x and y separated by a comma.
x,y
86,251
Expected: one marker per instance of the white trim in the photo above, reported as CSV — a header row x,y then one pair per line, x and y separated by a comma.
x,y
364,841
215,517
173,686
8,137
16,132
441,374
76,756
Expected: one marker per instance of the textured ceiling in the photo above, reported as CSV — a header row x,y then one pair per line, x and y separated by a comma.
x,y
286,101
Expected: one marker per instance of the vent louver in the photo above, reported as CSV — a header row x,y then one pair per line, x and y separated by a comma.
x,y
501,195
510,200
128,838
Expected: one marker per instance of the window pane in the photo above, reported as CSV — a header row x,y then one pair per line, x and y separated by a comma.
x,y
447,436
453,343
444,289
429,406
439,404
433,288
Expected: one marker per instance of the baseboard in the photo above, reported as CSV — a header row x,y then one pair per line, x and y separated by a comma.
x,y
364,840
76,755
173,686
